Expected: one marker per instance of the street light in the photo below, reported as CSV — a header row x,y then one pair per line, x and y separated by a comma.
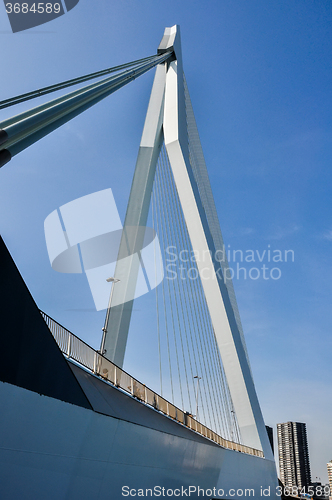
x,y
198,379
104,329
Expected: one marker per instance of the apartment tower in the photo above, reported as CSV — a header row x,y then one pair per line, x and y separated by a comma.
x,y
329,473
294,462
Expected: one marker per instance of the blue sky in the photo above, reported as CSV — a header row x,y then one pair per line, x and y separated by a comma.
x,y
259,75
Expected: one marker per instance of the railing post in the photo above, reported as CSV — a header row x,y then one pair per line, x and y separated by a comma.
x,y
145,394
95,362
69,345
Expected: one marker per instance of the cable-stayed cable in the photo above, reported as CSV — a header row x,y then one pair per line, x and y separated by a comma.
x,y
154,224
21,131
194,349
68,83
161,233
197,330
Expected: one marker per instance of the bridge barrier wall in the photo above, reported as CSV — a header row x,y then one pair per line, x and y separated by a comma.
x,y
74,348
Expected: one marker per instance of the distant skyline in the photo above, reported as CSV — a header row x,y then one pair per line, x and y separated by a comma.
x,y
259,76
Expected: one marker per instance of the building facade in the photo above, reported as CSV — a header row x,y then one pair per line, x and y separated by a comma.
x,y
329,474
294,462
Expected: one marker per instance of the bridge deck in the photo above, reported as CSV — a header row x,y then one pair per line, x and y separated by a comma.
x,y
75,349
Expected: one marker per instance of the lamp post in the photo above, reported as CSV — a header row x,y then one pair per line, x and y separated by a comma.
x,y
104,329
198,379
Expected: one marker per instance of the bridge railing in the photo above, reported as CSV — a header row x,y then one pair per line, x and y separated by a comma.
x,y
76,349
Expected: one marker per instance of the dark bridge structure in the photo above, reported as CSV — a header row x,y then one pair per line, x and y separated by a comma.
x,y
74,424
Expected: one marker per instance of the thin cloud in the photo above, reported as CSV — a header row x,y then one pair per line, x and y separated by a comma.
x,y
245,231
281,232
328,235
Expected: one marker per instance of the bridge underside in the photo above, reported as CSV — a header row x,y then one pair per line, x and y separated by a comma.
x,y
60,450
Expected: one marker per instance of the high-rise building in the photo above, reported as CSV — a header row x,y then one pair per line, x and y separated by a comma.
x,y
329,473
294,462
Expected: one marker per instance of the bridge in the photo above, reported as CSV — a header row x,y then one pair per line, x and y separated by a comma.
x,y
81,421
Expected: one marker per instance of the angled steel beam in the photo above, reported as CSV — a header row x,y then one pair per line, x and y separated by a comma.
x,y
136,218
